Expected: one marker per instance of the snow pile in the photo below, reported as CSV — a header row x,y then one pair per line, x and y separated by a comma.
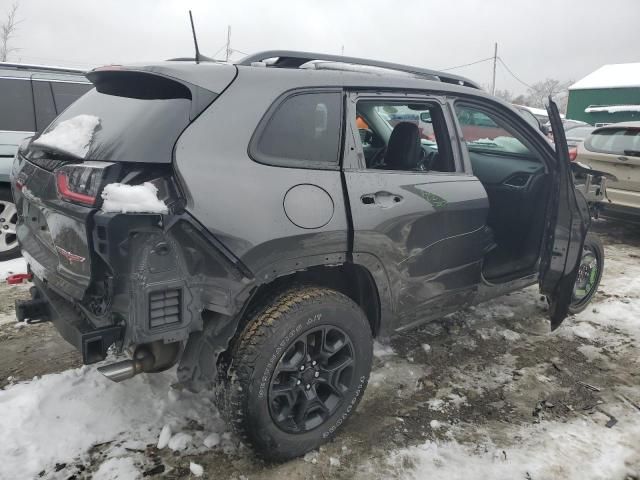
x,y
57,418
17,265
121,198
574,450
73,136
117,469
613,108
196,469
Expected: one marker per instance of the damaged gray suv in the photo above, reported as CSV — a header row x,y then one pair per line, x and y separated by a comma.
x,y
259,224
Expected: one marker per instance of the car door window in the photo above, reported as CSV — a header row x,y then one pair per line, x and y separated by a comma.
x,y
483,132
16,105
404,136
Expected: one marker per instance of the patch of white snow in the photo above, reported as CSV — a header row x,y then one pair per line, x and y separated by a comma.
x,y
121,198
73,136
196,469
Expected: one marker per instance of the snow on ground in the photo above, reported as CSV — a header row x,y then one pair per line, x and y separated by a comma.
x,y
17,265
73,135
58,417
123,198
579,449
486,393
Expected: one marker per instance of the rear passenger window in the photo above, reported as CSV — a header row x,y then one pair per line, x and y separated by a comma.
x,y
302,131
16,105
64,94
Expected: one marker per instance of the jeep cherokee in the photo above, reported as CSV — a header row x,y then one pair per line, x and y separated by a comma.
x,y
234,221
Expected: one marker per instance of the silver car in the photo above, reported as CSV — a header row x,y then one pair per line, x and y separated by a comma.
x,y
615,149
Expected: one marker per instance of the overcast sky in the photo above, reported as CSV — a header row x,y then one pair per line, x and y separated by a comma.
x,y
536,38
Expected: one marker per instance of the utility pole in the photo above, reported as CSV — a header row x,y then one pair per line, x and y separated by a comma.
x,y
495,59
342,51
228,54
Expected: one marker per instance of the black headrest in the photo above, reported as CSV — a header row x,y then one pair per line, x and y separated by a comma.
x,y
403,150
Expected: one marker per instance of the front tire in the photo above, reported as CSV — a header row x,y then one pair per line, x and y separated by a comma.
x,y
589,275
298,370
9,247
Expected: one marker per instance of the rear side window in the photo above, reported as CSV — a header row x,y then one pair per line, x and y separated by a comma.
x,y
301,131
615,141
16,105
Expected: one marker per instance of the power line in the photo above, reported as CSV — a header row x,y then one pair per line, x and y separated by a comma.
x,y
513,74
466,64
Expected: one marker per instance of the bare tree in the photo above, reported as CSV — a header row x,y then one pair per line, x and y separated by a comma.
x,y
539,93
7,31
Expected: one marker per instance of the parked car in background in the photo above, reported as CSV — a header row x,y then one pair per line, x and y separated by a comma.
x,y
615,149
31,97
577,135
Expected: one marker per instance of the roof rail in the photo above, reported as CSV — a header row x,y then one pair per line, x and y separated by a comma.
x,y
42,68
293,59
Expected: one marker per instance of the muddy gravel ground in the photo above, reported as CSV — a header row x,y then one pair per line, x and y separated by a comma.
x,y
489,389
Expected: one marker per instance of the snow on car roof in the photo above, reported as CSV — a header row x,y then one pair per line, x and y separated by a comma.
x,y
617,75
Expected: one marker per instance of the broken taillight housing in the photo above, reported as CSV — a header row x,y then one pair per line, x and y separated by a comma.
x,y
81,183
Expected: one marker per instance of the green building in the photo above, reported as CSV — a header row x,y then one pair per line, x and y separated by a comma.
x,y
611,94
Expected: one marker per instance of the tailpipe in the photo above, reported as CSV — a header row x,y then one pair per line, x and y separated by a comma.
x,y
143,361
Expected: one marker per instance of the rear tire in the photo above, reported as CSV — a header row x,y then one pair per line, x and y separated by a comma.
x,y
592,266
298,370
9,247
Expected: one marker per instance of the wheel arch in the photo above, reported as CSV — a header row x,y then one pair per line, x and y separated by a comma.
x,y
353,280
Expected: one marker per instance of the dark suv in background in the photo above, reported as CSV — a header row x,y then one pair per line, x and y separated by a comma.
x,y
31,97
236,221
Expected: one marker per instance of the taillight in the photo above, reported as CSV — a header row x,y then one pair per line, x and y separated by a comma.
x,y
80,183
573,153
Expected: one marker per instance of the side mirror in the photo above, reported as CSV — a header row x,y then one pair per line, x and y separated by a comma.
x,y
366,136
425,117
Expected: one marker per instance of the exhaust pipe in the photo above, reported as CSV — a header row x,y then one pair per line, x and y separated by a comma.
x,y
142,361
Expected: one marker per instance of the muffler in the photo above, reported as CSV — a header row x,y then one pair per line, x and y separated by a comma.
x,y
142,361
150,357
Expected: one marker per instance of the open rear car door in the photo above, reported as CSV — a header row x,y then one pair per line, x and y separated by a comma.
x,y
568,220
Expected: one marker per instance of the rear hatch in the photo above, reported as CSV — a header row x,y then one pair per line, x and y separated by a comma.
x,y
124,130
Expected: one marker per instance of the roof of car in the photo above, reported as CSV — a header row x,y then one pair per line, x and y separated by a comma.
x,y
207,75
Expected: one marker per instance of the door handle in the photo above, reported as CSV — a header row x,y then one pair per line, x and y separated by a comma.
x,y
382,199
